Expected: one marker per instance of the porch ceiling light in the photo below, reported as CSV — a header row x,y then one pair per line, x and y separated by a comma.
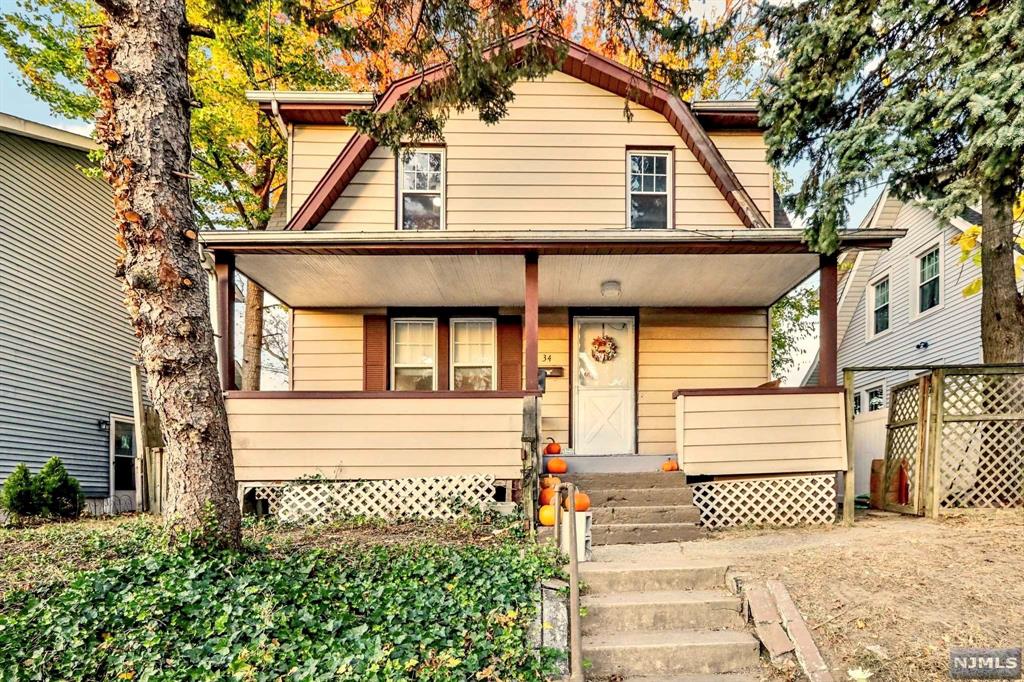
x,y
611,289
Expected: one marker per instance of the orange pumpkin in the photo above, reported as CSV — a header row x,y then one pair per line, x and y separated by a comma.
x,y
547,495
582,502
552,448
670,465
547,515
550,482
557,465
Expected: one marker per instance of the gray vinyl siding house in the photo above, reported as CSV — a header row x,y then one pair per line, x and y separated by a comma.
x,y
949,333
65,340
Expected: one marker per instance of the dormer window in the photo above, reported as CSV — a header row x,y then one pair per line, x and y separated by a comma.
x,y
421,189
649,195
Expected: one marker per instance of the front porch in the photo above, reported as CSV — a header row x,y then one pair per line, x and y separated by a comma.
x,y
686,311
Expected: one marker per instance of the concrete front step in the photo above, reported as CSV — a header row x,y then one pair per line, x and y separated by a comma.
x,y
644,533
647,480
638,497
614,576
670,652
675,513
668,610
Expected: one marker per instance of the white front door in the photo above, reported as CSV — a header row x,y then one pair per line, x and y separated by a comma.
x,y
604,397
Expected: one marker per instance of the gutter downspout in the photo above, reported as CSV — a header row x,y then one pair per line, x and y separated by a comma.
x,y
275,109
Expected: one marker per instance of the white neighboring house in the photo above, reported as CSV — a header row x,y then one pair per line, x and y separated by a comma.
x,y
905,306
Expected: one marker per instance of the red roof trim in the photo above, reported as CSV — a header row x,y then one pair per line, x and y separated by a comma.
x,y
581,63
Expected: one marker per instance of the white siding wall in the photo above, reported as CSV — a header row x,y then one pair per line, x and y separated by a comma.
x,y
953,333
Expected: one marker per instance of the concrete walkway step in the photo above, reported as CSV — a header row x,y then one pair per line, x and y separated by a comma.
x,y
644,533
657,480
625,576
670,651
711,677
669,513
638,497
668,610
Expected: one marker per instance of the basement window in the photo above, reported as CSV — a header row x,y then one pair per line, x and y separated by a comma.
x,y
421,189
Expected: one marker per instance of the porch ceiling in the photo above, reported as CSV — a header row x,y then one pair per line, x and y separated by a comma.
x,y
338,280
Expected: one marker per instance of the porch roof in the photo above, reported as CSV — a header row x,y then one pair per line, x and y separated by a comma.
x,y
371,269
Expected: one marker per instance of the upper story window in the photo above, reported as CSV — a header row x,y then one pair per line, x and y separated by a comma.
x,y
414,354
878,320
650,189
421,190
929,281
473,354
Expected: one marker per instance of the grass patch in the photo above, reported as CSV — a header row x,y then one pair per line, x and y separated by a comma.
x,y
454,607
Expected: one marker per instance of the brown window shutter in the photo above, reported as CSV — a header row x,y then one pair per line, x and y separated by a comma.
x,y
375,352
510,353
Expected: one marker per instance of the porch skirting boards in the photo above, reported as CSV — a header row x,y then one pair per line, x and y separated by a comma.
x,y
311,502
778,501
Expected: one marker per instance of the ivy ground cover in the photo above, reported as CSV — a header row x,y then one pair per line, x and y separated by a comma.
x,y
424,610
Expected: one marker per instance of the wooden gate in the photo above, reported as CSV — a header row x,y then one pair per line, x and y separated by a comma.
x,y
955,439
906,446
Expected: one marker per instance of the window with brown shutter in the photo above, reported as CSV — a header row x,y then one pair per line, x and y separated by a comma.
x,y
510,353
375,353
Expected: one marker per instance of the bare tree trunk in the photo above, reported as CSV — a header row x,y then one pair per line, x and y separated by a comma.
x,y
252,347
1002,311
139,73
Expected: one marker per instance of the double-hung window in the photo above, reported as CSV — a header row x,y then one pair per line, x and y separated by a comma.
x,y
473,354
928,280
879,313
650,189
414,354
876,398
421,189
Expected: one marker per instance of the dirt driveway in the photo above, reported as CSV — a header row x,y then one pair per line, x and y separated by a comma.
x,y
892,594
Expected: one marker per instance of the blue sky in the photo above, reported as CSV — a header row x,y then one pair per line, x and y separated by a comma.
x,y
15,100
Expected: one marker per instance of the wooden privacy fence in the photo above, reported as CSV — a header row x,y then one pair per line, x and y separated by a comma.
x,y
954,439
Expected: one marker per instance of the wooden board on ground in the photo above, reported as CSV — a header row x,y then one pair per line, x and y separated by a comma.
x,y
806,650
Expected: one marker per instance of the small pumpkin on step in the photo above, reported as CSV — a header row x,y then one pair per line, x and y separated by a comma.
x,y
670,465
557,465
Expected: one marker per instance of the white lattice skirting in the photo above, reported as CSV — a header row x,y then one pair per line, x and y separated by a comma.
x,y
313,502
778,501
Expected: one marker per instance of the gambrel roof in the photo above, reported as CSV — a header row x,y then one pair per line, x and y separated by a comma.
x,y
589,67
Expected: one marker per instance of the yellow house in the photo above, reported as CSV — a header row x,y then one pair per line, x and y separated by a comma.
x,y
622,270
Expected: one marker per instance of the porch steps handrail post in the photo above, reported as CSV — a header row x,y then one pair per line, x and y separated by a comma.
x,y
569,517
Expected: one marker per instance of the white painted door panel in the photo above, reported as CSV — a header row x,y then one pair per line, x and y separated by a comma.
x,y
604,422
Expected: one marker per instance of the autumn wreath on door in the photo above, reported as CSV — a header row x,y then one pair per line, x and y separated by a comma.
x,y
603,348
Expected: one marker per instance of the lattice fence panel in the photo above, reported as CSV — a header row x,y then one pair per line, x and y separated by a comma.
x,y
315,502
901,445
778,501
982,446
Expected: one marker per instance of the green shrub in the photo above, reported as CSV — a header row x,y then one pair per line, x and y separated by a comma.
x,y
20,495
415,612
59,492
